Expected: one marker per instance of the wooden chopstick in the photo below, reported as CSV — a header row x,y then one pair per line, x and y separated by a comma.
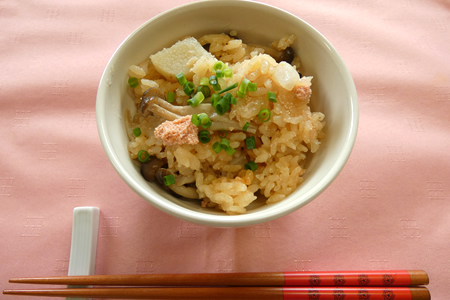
x,y
261,293
328,278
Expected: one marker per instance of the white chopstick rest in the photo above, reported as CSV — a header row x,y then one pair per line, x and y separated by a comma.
x,y
83,249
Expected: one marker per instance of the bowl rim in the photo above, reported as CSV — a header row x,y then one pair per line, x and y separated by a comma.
x,y
246,219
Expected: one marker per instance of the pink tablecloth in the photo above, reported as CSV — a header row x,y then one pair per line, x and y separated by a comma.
x,y
389,208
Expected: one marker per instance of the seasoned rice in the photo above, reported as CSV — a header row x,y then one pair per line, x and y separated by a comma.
x,y
282,143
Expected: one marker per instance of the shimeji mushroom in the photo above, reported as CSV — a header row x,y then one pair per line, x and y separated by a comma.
x,y
153,102
155,169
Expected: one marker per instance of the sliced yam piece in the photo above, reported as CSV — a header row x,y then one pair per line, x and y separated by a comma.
x,y
286,75
180,57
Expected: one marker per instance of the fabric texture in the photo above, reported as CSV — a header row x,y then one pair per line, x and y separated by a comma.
x,y
388,209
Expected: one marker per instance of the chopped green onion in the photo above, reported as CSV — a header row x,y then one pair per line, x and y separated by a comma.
x,y
219,74
218,66
214,99
133,82
137,132
228,88
246,126
188,88
223,133
244,86
204,81
230,150
228,73
181,78
224,143
239,94
233,100
222,106
204,120
216,87
264,115
195,120
216,147
196,100
212,80
251,165
204,136
252,87
214,83
227,97
201,119
205,90
272,96
250,142
169,179
170,97
143,156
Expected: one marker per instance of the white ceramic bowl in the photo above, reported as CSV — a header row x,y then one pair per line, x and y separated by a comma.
x,y
334,94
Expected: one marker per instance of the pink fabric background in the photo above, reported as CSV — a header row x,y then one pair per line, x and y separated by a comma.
x,y
388,209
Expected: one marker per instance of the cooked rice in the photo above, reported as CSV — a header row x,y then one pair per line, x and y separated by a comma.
x,y
283,142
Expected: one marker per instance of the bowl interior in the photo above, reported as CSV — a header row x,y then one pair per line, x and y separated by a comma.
x,y
334,94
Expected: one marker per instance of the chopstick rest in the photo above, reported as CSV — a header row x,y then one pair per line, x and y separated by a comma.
x,y
83,248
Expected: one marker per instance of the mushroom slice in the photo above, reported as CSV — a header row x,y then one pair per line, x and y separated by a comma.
x,y
148,96
164,109
183,191
151,167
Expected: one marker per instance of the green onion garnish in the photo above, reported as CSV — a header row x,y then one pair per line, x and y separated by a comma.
x,y
244,86
212,80
229,88
252,87
133,82
204,81
143,156
223,133
239,94
214,99
201,119
264,115
251,165
219,74
196,100
228,73
214,83
205,122
272,96
246,126
169,179
218,66
230,150
188,88
224,143
204,136
233,101
250,142
195,120
181,78
170,97
205,90
222,106
216,87
216,147
137,132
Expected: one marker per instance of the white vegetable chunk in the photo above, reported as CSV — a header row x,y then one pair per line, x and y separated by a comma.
x,y
180,57
286,75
